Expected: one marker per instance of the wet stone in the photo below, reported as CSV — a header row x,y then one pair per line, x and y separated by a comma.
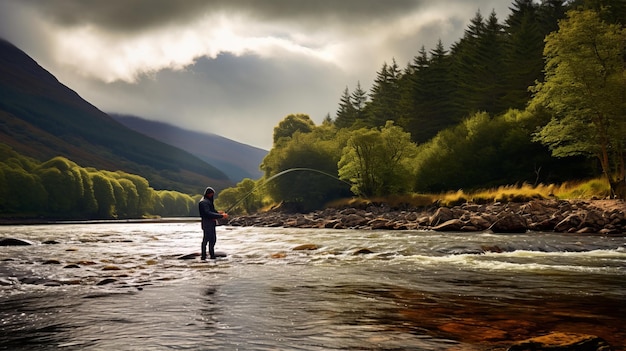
x,y
305,247
14,242
562,341
106,281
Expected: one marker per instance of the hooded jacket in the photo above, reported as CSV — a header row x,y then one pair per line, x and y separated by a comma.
x,y
208,214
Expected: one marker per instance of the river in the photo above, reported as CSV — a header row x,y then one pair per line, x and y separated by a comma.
x,y
122,286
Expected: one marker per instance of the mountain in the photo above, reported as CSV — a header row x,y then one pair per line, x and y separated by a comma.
x,y
237,160
42,118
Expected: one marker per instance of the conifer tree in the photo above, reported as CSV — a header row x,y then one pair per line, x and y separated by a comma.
x,y
385,96
478,65
524,52
359,101
346,114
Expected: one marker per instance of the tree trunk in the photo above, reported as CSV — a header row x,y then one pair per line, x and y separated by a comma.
x,y
618,189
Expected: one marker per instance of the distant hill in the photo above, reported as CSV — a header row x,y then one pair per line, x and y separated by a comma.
x,y
237,160
42,118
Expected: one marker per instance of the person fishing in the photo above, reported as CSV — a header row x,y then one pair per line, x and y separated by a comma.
x,y
209,217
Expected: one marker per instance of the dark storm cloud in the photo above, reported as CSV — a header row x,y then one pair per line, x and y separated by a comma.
x,y
231,67
136,15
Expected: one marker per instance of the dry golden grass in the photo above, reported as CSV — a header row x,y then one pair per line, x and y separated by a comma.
x,y
589,189
593,188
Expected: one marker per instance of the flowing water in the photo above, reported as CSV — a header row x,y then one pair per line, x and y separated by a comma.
x,y
122,286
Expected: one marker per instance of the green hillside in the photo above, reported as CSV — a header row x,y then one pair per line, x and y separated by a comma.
x,y
42,118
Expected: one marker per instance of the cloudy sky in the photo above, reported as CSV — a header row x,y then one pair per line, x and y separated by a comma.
x,y
230,67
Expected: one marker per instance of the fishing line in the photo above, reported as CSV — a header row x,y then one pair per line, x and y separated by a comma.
x,y
279,174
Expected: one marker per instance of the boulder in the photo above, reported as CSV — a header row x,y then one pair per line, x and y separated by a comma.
x,y
381,223
571,222
562,342
510,223
479,222
449,226
353,220
443,214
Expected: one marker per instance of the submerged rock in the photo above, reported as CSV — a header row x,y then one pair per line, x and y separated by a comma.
x,y
304,247
562,342
14,242
190,256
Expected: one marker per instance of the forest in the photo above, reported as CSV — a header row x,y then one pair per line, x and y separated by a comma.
x,y
61,189
538,98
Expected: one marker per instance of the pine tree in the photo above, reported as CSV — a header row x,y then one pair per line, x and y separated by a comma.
x,y
478,66
433,91
385,96
359,102
346,115
524,53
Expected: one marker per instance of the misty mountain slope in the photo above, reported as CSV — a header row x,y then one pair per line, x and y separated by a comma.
x,y
235,159
42,118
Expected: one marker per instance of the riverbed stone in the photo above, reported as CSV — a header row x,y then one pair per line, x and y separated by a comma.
x,y
305,247
106,281
353,220
14,242
606,217
381,223
190,256
443,214
51,261
510,223
570,222
560,341
450,225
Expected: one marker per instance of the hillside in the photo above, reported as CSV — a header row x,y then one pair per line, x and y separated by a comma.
x,y
42,118
237,160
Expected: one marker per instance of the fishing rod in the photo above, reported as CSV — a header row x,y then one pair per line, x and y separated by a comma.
x,y
296,169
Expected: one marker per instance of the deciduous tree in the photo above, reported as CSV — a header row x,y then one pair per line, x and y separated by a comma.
x,y
585,88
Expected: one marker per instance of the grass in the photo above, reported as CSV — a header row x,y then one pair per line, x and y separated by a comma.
x,y
587,189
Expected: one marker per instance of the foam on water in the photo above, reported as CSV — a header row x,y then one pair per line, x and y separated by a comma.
x,y
356,288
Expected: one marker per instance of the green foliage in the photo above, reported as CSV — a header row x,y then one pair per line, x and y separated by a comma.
x,y
378,162
385,96
428,95
59,188
63,184
486,152
318,149
293,123
103,192
478,64
244,198
174,204
585,89
100,142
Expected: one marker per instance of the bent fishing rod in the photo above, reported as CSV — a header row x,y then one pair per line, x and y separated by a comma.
x,y
296,169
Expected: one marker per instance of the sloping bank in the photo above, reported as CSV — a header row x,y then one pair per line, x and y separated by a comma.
x,y
605,217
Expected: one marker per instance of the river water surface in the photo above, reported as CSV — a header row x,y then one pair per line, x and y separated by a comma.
x,y
123,286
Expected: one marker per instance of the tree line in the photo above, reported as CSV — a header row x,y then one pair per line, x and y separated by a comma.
x,y
61,189
540,98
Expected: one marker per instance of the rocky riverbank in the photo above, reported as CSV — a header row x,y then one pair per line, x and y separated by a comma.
x,y
606,217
